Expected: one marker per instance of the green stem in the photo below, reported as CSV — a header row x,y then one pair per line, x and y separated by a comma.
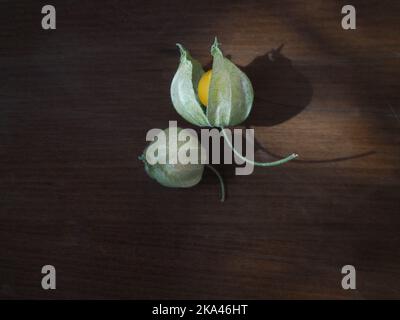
x,y
221,181
255,163
141,157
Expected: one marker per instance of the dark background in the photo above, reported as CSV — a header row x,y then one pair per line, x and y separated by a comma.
x,y
76,104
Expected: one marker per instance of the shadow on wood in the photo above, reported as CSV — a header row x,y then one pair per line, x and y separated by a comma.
x,y
280,90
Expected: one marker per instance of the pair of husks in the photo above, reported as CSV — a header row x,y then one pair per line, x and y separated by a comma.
x,y
230,99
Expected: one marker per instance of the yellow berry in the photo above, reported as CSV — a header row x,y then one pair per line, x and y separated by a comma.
x,y
204,86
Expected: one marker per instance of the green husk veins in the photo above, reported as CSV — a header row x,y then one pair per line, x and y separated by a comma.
x,y
177,175
230,97
184,90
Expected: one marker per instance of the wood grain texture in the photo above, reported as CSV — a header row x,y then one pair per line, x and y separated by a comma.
x,y
75,106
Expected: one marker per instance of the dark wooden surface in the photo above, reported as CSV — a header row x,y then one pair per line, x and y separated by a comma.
x,y
75,106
